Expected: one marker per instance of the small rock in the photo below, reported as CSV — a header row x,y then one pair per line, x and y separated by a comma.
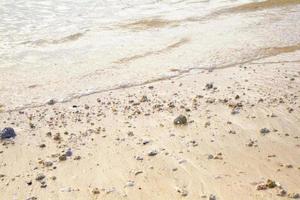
x,y
57,137
77,157
62,157
209,86
144,99
129,184
264,131
152,153
282,193
294,195
183,192
32,198
51,102
180,120
40,177
69,153
271,184
96,191
48,164
212,197
7,133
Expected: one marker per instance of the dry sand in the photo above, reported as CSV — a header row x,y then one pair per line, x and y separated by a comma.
x,y
125,146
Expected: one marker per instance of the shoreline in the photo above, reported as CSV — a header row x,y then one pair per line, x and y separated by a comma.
x,y
221,151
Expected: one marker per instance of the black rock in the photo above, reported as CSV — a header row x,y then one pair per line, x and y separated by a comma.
x,y
7,133
264,131
209,86
180,120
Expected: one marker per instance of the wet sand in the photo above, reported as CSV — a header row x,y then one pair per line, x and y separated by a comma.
x,y
221,151
238,136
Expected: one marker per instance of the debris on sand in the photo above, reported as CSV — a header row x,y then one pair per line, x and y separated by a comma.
x,y
7,133
264,131
180,120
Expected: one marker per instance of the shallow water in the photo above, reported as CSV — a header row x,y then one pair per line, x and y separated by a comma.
x,y
65,49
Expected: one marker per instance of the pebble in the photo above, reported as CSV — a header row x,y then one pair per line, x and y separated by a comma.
x,y
40,177
77,157
7,133
96,191
48,164
69,153
62,157
180,120
294,195
51,102
264,131
129,184
209,86
152,152
282,193
212,197
32,198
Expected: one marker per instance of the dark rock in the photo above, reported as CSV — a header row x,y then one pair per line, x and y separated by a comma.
x,y
180,120
209,86
264,131
31,198
40,177
69,153
7,133
152,153
51,102
62,157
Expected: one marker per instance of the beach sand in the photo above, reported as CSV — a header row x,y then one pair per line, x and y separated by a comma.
x,y
235,90
124,143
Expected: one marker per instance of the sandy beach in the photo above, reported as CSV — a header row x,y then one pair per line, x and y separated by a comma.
x,y
199,115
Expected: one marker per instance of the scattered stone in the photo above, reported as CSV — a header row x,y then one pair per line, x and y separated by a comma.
x,y
96,191
289,166
140,158
144,99
77,157
129,184
62,157
207,124
281,193
212,197
48,164
294,195
270,184
57,137
183,192
209,86
152,153
69,153
264,131
51,102
40,177
32,198
218,156
7,133
180,120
